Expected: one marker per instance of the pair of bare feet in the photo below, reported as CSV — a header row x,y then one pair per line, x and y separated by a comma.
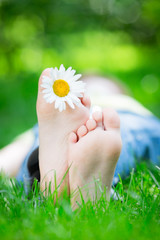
x,y
87,148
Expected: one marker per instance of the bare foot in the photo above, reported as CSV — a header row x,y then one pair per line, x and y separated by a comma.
x,y
93,154
54,128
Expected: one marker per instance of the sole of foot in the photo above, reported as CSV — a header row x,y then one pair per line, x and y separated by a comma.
x,y
93,154
54,129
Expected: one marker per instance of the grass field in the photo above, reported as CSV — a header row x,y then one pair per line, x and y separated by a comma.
x,y
135,215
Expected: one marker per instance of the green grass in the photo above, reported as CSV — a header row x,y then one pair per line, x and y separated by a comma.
x,y
135,215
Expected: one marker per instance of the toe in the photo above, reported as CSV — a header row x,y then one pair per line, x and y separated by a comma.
x,y
82,131
91,124
97,116
42,107
86,101
45,72
73,137
111,119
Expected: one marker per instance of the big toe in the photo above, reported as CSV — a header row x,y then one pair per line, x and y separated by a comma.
x,y
42,106
111,119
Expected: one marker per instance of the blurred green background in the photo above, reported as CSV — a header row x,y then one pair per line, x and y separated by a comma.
x,y
118,38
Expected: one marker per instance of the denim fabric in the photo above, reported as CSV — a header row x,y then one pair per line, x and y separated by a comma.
x,y
140,138
24,175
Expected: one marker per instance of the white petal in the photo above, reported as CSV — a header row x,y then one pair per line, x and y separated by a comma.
x,y
78,104
57,103
79,84
46,79
47,95
69,69
45,85
59,75
61,107
68,73
61,72
75,90
70,103
76,77
79,95
75,100
52,72
73,97
62,68
64,105
73,72
56,73
74,86
51,99
47,90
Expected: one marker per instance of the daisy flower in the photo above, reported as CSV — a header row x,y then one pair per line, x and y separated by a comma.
x,y
62,87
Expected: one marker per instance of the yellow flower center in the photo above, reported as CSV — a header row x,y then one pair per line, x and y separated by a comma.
x,y
61,88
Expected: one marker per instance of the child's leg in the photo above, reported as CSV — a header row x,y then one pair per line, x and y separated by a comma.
x,y
12,156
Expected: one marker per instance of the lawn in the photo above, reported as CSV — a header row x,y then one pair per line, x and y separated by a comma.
x,y
135,215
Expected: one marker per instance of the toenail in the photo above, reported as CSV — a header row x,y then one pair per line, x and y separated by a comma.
x,y
98,115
